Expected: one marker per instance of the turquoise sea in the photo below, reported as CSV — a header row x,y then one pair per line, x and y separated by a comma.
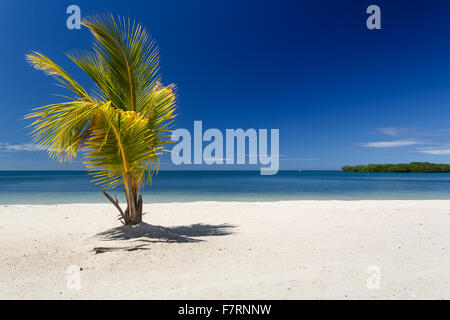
x,y
52,187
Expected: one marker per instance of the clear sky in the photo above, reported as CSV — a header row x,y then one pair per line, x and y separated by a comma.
x,y
339,93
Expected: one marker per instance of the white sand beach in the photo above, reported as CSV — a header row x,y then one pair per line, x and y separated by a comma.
x,y
220,250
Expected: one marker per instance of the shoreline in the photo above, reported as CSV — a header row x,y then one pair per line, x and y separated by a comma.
x,y
123,204
305,249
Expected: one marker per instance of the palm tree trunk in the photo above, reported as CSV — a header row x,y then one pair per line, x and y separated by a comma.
x,y
134,210
139,208
130,200
137,216
133,213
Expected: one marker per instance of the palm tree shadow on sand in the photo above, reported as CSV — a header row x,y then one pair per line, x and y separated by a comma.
x,y
149,234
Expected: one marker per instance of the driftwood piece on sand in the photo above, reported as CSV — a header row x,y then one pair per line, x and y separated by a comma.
x,y
109,249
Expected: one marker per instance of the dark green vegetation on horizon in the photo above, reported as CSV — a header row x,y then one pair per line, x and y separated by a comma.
x,y
418,167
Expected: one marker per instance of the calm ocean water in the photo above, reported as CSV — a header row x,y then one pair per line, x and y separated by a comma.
x,y
51,187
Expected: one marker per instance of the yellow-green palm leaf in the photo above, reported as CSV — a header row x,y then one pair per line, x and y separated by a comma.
x,y
123,126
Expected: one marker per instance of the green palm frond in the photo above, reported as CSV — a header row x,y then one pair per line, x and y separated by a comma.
x,y
125,58
61,128
42,62
121,144
123,128
94,68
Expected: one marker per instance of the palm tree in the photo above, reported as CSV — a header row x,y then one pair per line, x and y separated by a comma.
x,y
123,126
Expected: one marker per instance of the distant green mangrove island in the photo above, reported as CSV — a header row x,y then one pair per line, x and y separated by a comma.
x,y
418,167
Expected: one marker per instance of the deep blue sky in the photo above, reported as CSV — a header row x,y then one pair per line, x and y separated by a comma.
x,y
338,92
